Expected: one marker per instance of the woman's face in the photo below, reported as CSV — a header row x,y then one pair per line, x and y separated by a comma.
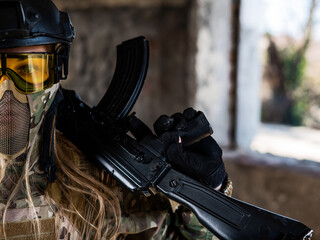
x,y
21,113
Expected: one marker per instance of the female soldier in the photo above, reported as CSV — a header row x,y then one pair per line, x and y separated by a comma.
x,y
48,189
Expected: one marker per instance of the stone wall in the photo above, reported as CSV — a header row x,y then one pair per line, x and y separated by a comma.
x,y
190,54
249,72
170,83
213,65
285,186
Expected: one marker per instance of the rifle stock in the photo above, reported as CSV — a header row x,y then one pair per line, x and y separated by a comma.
x,y
229,218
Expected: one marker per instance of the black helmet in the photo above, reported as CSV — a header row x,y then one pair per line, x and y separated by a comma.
x,y
33,22
36,22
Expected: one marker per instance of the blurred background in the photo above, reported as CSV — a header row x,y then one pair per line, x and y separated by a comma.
x,y
252,66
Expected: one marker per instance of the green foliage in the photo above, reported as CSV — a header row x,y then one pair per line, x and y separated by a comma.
x,y
294,68
298,110
286,74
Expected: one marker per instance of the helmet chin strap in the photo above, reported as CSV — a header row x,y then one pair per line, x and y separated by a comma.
x,y
49,123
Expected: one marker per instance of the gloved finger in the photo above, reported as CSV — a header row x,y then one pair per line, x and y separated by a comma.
x,y
176,122
138,128
182,119
180,122
163,124
177,116
189,113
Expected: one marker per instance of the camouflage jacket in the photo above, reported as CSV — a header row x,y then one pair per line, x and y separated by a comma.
x,y
142,219
153,218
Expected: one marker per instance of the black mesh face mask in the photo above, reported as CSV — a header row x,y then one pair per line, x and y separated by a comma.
x,y
14,125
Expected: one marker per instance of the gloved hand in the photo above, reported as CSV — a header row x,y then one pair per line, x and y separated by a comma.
x,y
201,160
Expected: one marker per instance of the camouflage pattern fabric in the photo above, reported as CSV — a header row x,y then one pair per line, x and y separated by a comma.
x,y
150,218
19,215
142,219
24,230
39,104
19,210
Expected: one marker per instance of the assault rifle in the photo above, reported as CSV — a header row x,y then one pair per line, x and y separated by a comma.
x,y
140,165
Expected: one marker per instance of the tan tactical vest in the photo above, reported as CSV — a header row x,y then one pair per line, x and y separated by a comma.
x,y
24,230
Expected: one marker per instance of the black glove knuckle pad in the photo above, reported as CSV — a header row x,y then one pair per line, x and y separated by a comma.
x,y
189,113
162,124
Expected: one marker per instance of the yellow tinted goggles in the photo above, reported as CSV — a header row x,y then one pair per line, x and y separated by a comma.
x,y
30,72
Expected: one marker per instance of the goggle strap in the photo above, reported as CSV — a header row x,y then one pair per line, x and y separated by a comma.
x,y
3,64
63,62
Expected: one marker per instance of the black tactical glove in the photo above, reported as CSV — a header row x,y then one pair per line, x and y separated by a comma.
x,y
201,160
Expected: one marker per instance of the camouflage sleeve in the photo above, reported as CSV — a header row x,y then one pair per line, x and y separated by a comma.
x,y
189,226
